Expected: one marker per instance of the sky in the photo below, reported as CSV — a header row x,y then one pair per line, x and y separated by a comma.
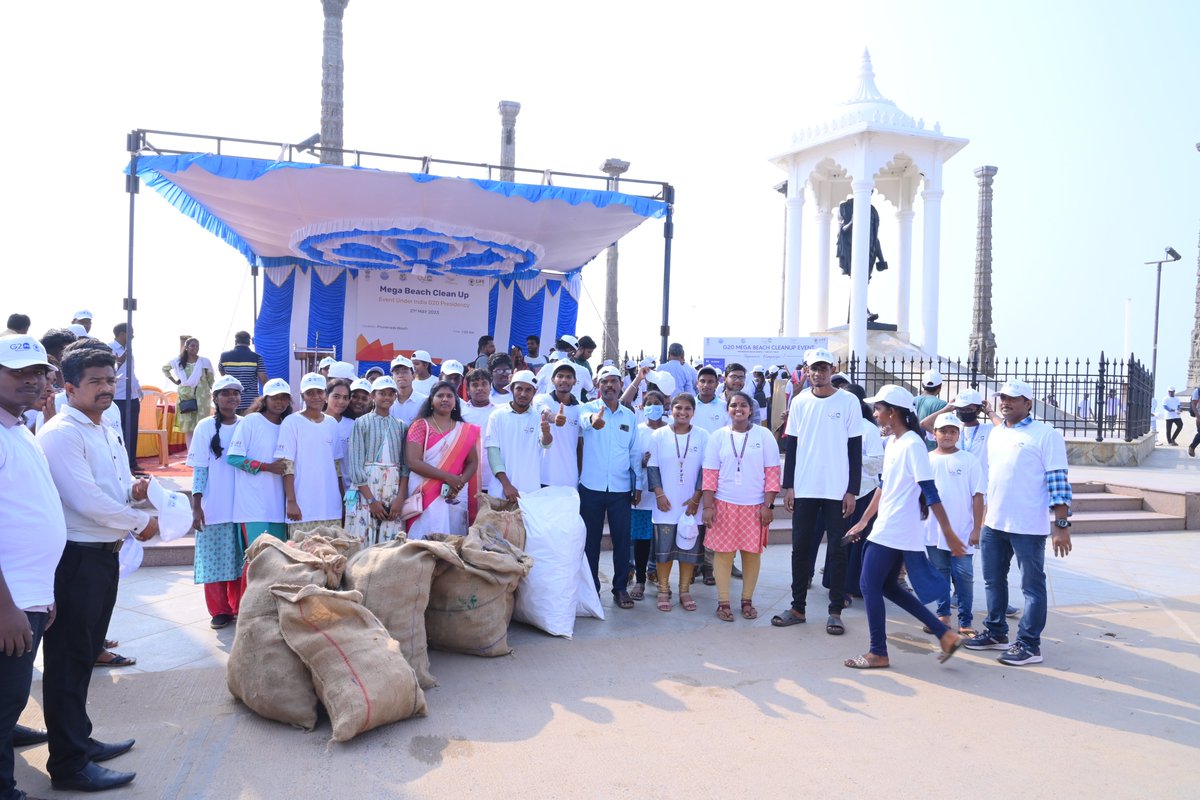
x,y
1088,109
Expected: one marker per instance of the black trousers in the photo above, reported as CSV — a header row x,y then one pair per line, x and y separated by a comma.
x,y
85,591
813,518
594,507
128,407
1174,428
16,676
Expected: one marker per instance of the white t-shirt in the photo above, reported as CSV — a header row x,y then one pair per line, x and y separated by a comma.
x,y
519,438
479,416
345,430
821,427
583,380
753,451
645,444
560,461
973,440
1171,405
407,410
424,385
959,477
872,458
257,498
312,448
222,477
33,528
1018,460
711,416
898,524
535,363
678,474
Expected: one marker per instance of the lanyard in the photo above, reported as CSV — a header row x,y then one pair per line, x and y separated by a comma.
x,y
686,447
736,454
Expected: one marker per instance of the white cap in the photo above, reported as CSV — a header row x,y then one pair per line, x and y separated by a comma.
x,y
665,381
402,361
20,351
569,339
560,366
607,372
276,386
608,362
226,382
818,355
947,420
77,329
83,314
422,355
630,364
342,369
840,376
360,385
646,362
1170,388
384,382
523,376
377,370
556,355
893,395
327,361
757,369
931,379
1016,388
968,397
313,380
452,367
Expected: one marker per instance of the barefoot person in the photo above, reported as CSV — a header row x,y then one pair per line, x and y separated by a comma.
x,y
378,469
898,511
673,473
441,452
741,479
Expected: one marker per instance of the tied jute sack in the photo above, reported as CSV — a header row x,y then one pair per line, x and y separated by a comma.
x,y
338,538
505,517
263,672
470,606
357,668
395,578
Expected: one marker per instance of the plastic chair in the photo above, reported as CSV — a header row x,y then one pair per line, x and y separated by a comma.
x,y
149,424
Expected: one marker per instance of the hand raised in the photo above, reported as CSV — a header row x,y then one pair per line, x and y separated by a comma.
x,y
561,419
598,420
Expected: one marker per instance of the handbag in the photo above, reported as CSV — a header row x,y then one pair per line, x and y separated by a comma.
x,y
188,406
414,504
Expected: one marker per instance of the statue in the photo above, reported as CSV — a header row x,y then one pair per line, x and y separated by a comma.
x,y
844,243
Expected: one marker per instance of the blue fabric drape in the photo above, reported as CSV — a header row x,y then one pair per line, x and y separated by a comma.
x,y
273,326
326,309
526,316
568,314
493,306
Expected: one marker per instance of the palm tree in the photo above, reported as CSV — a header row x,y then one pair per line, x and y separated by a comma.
x,y
332,82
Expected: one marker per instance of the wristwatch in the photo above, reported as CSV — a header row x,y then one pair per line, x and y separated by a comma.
x,y
1062,523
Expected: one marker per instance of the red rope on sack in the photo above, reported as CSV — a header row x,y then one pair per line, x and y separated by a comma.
x,y
353,672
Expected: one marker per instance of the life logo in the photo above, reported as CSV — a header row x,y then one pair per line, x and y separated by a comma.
x,y
835,415
529,429
958,470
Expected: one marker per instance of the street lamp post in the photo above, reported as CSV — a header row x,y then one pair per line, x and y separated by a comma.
x,y
1172,255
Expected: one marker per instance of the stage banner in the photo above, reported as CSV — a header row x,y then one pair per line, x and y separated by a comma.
x,y
402,312
762,351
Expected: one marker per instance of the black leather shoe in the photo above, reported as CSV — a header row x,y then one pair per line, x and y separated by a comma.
x,y
103,751
25,737
92,778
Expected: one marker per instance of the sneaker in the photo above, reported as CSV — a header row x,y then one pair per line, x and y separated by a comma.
x,y
1012,612
1192,450
220,621
1020,654
986,641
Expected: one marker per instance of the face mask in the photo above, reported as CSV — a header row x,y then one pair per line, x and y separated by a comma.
x,y
654,412
968,416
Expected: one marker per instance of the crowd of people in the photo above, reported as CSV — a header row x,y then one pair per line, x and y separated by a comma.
x,y
684,466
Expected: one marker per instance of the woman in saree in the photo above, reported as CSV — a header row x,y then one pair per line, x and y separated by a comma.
x,y
443,460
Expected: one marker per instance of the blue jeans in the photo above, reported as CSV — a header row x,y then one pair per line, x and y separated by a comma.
x,y
16,676
880,570
997,549
959,570
594,507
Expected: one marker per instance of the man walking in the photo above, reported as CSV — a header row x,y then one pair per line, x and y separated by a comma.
x,y
247,366
1027,462
97,490
1171,406
821,478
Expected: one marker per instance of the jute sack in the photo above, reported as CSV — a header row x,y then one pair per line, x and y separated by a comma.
x,y
263,672
505,517
338,538
395,578
357,668
470,606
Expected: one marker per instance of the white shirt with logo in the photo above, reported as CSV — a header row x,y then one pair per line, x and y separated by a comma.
x,y
679,458
749,454
1019,458
898,524
518,436
217,501
821,427
560,461
711,416
258,497
312,448
959,477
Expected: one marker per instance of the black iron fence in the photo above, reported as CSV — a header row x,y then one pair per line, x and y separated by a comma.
x,y
1108,398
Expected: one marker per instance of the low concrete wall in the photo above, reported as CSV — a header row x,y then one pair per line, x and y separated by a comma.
x,y
1173,503
1110,452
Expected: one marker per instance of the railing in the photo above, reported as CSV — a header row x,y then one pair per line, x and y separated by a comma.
x,y
1107,398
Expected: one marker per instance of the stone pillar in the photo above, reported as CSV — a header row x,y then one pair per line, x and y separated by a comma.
x,y
332,81
1194,358
860,254
508,138
824,221
613,168
791,277
982,342
904,218
927,338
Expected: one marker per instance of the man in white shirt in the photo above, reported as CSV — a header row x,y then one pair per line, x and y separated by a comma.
x,y
533,358
515,441
423,377
760,390
128,399
1027,462
559,412
710,409
1171,405
32,535
500,367
821,478
97,491
408,400
477,409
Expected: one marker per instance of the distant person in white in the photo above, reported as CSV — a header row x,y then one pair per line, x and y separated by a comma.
x,y
514,441
408,400
477,410
1171,407
423,377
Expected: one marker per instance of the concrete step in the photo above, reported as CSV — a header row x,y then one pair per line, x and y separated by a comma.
x,y
1087,487
1125,522
1106,501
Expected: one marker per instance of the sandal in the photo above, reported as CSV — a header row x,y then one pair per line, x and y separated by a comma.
x,y
748,609
724,612
623,600
638,591
116,660
664,600
685,600
788,618
708,579
652,575
861,662
834,626
946,655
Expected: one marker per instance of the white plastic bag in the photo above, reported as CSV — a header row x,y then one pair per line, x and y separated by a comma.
x,y
587,601
130,557
686,532
174,511
554,535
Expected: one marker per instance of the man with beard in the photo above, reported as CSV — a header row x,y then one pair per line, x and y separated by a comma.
x,y
515,442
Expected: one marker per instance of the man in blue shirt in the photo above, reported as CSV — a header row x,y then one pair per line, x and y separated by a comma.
x,y
684,374
608,482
